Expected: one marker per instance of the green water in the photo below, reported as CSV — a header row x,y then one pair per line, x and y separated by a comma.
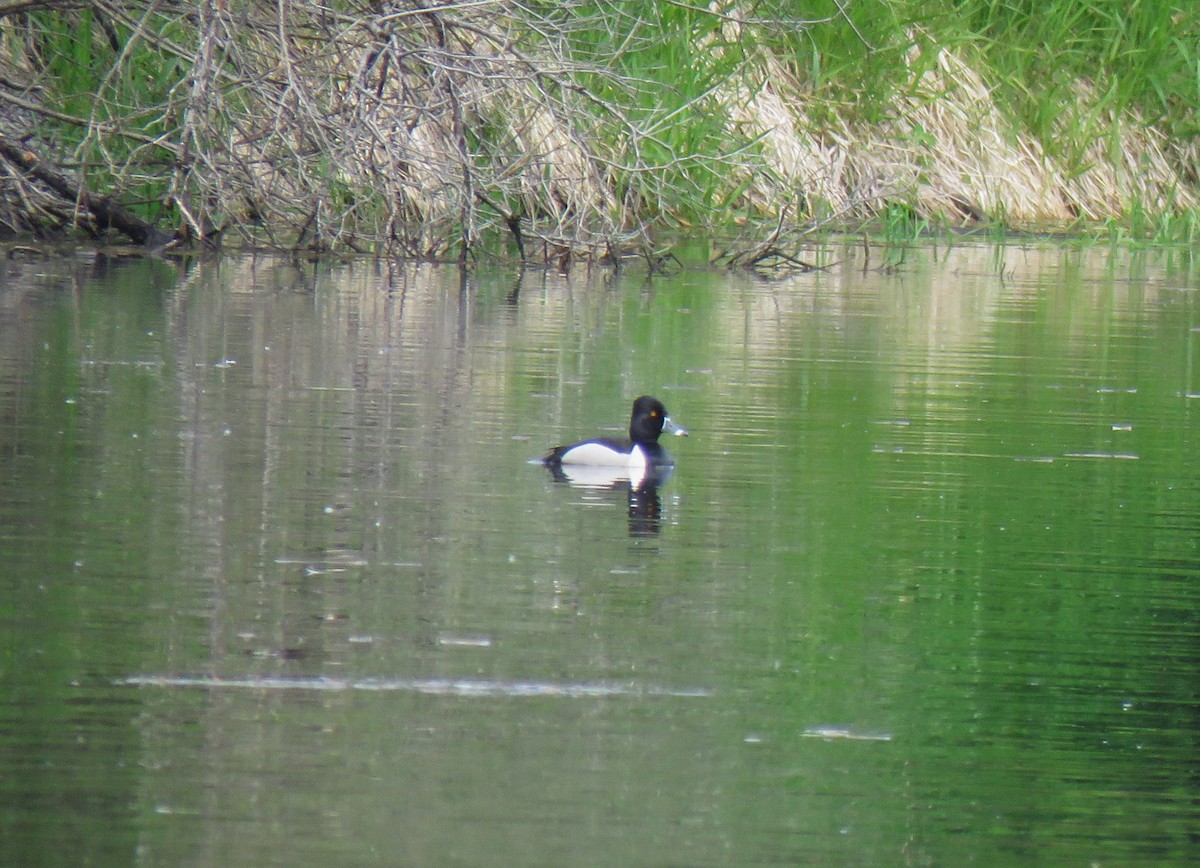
x,y
281,587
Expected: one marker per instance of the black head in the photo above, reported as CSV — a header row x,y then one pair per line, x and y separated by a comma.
x,y
647,421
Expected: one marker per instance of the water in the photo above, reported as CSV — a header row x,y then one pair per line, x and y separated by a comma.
x,y
281,587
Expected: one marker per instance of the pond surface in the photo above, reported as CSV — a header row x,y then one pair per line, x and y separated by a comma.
x,y
281,587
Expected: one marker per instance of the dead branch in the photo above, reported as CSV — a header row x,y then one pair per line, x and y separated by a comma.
x,y
104,211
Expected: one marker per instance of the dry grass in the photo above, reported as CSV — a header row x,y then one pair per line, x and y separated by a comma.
x,y
949,153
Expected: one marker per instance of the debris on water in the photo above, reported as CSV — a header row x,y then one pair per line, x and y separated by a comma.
x,y
453,641
835,732
435,686
333,561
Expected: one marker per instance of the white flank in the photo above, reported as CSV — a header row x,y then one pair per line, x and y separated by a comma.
x,y
598,455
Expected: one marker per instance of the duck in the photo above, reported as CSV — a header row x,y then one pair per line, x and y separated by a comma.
x,y
647,421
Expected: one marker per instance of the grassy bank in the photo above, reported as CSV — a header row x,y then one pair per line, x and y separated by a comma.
x,y
556,131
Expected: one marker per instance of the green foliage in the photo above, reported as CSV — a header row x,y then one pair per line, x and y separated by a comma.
x,y
1067,72
847,54
98,72
1141,225
664,80
649,85
1066,68
63,46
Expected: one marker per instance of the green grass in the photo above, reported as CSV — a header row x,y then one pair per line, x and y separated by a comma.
x,y
101,74
1065,69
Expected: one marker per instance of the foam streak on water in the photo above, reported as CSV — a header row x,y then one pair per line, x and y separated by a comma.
x,y
435,686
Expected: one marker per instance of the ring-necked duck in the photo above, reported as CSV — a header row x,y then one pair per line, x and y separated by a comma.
x,y
648,420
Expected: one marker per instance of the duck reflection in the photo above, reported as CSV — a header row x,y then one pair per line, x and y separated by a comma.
x,y
640,485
